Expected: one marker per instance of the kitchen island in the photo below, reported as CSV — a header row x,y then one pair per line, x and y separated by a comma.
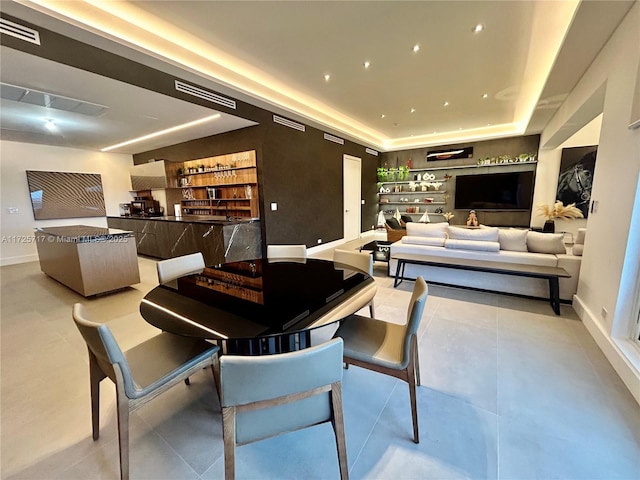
x,y
220,240
89,260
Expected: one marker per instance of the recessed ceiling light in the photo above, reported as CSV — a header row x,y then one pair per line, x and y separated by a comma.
x,y
478,28
416,48
367,64
413,110
485,95
382,116
488,124
327,77
49,125
446,104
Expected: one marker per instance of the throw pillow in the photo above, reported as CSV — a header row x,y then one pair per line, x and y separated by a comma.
x,y
489,234
418,240
437,230
539,242
394,223
513,240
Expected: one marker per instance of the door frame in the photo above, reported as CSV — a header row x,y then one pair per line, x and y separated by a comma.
x,y
350,158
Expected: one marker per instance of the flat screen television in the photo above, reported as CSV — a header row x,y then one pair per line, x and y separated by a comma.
x,y
494,191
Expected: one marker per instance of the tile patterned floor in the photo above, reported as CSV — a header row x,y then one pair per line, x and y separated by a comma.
x,y
509,391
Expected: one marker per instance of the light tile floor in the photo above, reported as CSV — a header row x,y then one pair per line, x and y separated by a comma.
x,y
509,391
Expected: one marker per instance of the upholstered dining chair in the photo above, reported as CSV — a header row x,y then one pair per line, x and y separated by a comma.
x,y
140,374
263,396
286,251
360,260
173,268
388,348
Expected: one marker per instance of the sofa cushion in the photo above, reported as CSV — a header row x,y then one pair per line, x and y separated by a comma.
x,y
480,245
513,239
418,240
488,234
545,242
437,230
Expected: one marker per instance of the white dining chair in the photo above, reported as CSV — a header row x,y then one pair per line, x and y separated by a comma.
x,y
173,268
286,251
361,261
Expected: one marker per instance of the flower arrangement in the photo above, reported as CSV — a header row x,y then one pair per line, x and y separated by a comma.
x,y
448,216
559,210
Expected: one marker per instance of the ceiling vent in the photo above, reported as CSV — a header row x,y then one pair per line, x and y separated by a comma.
x,y
18,31
334,139
289,123
371,151
50,100
205,94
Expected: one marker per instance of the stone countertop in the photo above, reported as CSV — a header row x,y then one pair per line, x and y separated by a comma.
x,y
84,233
209,219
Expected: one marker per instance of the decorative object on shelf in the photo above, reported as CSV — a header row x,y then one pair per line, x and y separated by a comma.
x,y
438,210
506,159
382,174
412,186
418,177
428,176
403,173
558,210
248,192
448,216
187,193
424,186
381,220
397,215
409,164
211,193
425,218
472,219
466,152
428,200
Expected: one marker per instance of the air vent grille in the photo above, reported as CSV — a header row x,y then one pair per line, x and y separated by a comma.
x,y
50,100
334,139
18,31
289,123
371,151
205,94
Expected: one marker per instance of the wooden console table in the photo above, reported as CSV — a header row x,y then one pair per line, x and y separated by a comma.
x,y
89,260
552,274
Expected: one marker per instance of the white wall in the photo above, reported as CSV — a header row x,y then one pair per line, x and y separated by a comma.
x,y
16,158
609,245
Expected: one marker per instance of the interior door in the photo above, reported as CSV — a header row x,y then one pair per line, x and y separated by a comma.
x,y
351,191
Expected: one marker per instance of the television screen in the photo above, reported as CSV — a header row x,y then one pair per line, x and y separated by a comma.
x,y
65,194
494,191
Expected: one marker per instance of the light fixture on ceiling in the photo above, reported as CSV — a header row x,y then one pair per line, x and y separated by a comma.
x,y
162,132
485,95
367,64
412,110
327,77
50,125
382,116
446,104
478,28
416,48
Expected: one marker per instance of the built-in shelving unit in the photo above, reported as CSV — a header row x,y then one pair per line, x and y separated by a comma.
x,y
221,185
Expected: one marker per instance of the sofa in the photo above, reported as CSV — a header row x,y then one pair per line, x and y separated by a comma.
x,y
509,245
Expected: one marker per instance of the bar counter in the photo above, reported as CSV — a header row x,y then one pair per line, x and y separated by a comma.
x,y
220,240
89,260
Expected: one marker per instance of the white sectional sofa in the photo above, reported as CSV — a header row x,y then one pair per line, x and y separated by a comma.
x,y
491,244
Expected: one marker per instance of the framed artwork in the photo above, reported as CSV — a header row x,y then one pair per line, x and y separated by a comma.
x,y
577,166
65,194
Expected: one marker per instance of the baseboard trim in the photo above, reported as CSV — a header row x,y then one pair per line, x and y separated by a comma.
x,y
16,260
623,357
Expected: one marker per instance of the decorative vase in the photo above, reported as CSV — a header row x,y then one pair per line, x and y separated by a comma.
x,y
549,227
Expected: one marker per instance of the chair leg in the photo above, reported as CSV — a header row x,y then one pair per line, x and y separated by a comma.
x,y
411,379
95,377
372,310
229,440
337,421
417,361
123,433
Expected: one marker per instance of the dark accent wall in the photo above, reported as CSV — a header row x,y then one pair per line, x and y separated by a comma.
x,y
300,171
511,146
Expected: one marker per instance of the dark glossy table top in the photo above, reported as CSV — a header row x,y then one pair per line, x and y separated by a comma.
x,y
255,299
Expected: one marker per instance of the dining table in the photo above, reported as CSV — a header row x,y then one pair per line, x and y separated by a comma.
x,y
260,306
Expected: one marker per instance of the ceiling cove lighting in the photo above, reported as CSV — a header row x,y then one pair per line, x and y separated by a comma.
x,y
162,132
478,28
